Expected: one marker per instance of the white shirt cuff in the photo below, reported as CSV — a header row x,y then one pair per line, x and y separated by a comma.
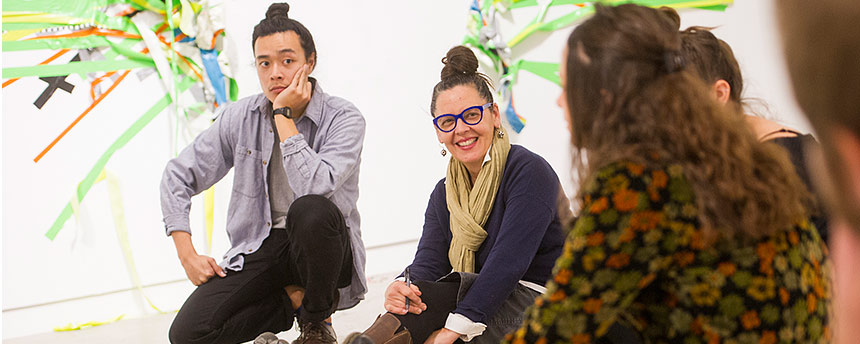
x,y
467,329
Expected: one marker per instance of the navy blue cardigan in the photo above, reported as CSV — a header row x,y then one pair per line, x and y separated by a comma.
x,y
524,235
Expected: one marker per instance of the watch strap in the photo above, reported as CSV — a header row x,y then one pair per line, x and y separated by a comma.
x,y
283,111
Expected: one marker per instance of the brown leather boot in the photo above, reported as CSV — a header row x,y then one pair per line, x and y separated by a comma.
x,y
315,332
382,332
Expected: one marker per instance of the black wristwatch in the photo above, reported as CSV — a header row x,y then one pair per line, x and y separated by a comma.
x,y
284,111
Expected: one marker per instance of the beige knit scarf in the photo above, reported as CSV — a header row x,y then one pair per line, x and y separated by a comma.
x,y
470,206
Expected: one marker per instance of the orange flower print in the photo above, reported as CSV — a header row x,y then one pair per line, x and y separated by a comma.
x,y
783,296
727,268
684,258
750,320
563,276
713,338
592,306
626,236
594,239
793,238
696,325
697,240
557,296
541,340
580,339
599,205
645,281
653,194
625,199
766,251
811,303
618,260
659,179
645,220
635,169
767,337
519,340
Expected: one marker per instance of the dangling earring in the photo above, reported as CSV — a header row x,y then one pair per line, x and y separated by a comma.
x,y
443,152
500,133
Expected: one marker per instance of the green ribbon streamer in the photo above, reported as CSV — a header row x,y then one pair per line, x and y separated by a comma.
x,y
75,67
86,42
234,90
546,70
579,13
88,181
530,3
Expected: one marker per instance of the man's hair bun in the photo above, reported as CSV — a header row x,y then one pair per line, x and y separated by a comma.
x,y
278,10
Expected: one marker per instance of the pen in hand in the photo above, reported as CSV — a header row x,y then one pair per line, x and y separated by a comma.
x,y
408,283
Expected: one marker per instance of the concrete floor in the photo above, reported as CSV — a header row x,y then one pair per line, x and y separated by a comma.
x,y
153,329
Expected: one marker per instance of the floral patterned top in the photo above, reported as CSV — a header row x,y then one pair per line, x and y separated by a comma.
x,y
636,257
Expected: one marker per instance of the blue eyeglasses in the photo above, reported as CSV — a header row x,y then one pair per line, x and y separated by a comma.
x,y
470,116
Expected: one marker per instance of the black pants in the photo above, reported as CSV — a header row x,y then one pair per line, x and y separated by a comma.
x,y
313,253
442,296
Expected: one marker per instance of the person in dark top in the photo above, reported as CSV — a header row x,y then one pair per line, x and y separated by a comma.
x,y
492,229
822,47
713,60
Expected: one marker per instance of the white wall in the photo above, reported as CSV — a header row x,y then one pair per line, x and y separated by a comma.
x,y
382,55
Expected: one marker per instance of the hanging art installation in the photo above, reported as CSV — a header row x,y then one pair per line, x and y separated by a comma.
x,y
103,41
484,35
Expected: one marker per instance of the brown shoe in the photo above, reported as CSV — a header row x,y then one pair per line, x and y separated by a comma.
x,y
382,332
316,332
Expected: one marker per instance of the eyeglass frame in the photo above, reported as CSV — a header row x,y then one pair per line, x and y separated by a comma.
x,y
481,108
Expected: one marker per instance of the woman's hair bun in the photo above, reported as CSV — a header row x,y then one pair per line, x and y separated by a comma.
x,y
672,15
278,10
460,60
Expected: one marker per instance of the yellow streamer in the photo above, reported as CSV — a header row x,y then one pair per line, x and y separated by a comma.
x,y
146,5
118,212
81,326
209,206
26,17
15,35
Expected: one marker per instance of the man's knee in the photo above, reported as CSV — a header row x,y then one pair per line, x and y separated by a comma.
x,y
315,215
182,332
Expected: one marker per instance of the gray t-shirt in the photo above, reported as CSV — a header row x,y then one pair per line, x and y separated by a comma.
x,y
280,194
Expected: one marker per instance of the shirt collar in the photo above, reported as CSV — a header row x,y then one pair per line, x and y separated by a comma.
x,y
487,156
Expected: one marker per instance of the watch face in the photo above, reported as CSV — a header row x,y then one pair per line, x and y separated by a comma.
x,y
285,111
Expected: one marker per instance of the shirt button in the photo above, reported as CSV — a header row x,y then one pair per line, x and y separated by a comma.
x,y
250,250
264,162
269,224
249,152
270,130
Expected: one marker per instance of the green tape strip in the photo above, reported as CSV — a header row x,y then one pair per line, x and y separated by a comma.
x,y
85,42
76,67
77,8
27,26
546,70
530,3
234,90
87,183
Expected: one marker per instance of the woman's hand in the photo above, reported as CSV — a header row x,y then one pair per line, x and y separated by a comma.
x,y
396,295
442,336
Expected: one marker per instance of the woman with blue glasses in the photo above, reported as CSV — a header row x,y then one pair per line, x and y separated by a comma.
x,y
491,232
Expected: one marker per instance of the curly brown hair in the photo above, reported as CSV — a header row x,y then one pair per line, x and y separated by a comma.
x,y
630,99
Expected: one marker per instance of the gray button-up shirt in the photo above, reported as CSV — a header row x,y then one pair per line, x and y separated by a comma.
x,y
323,159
